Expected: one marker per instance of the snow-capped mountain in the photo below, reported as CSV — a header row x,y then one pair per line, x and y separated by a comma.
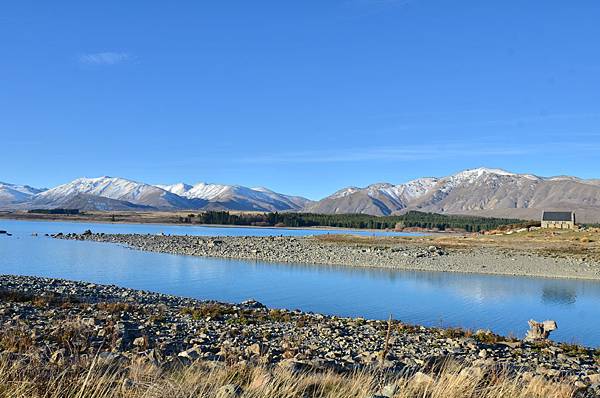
x,y
13,193
377,199
114,193
298,202
482,191
83,201
178,189
114,188
237,197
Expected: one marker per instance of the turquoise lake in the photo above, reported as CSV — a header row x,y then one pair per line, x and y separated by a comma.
x,y
500,303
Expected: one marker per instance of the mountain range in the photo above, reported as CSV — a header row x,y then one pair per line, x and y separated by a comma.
x,y
114,193
482,191
12,193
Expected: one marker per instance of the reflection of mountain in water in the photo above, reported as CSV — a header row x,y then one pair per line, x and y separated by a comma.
x,y
475,287
481,287
485,287
559,294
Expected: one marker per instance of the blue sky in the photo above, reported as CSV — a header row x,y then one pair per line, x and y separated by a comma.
x,y
303,97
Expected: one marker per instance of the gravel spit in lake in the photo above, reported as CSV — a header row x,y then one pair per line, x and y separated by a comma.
x,y
312,250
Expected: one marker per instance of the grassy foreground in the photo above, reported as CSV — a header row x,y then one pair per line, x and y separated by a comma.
x,y
30,379
74,339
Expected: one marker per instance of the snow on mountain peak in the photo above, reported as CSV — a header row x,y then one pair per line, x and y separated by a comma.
x,y
180,188
206,191
345,192
200,190
109,187
419,187
262,189
404,192
13,193
476,173
24,189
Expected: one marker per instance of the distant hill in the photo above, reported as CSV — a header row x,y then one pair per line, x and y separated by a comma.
x,y
483,192
12,193
114,193
83,201
117,189
237,197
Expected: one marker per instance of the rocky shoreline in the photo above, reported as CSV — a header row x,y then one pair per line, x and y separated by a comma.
x,y
59,320
312,250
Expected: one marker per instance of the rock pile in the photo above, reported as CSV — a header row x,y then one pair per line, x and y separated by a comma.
x,y
58,320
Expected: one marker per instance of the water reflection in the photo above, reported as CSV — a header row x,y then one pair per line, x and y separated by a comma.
x,y
480,287
554,293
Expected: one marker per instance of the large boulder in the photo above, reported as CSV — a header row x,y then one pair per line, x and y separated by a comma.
x,y
540,330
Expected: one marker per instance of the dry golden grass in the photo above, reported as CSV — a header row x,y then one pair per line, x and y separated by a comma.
x,y
36,380
578,244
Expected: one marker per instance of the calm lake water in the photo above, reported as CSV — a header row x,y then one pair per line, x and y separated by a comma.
x,y
502,304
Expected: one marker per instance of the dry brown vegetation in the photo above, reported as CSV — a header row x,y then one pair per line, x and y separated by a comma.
x,y
48,299
219,311
583,244
22,379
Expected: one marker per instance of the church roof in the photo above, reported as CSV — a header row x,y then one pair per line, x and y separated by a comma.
x,y
557,216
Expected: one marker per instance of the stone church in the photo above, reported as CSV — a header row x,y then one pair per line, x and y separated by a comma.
x,y
558,219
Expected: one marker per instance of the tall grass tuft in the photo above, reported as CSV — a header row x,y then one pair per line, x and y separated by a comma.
x,y
21,378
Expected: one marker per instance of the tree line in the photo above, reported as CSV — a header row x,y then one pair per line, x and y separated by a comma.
x,y
54,211
412,219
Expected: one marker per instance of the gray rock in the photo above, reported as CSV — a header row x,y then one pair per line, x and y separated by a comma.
x,y
421,379
389,390
540,330
229,391
191,354
254,350
472,372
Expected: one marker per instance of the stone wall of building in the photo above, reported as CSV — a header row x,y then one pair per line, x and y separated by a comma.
x,y
558,224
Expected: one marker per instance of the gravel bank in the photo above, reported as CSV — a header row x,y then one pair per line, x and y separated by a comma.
x,y
58,321
310,250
